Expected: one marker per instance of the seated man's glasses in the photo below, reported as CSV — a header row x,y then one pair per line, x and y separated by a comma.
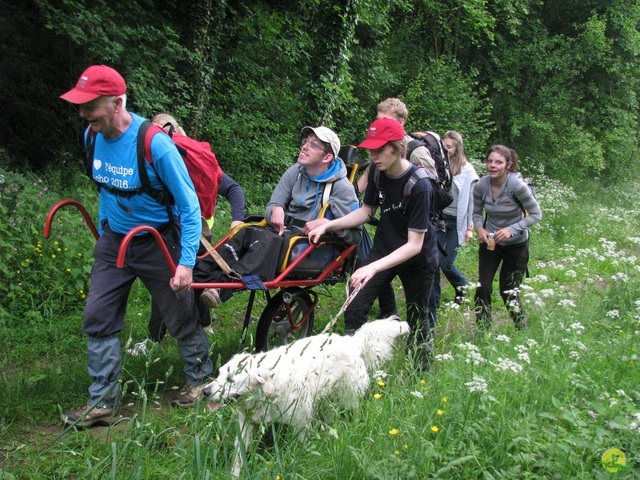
x,y
313,144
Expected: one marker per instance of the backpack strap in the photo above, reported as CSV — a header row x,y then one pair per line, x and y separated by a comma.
x,y
418,174
326,193
89,150
145,135
513,195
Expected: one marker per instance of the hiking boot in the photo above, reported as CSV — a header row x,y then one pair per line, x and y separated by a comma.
x,y
210,297
188,396
89,415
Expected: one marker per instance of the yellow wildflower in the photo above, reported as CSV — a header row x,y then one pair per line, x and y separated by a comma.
x,y
440,412
434,429
394,432
381,383
377,396
445,399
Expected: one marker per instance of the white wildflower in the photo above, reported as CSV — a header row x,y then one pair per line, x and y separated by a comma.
x,y
380,375
417,394
444,357
503,338
475,358
521,348
478,384
576,327
524,357
505,364
620,277
565,302
540,278
635,424
581,346
573,355
468,346
613,313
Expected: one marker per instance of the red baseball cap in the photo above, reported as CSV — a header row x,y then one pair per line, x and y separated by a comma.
x,y
381,131
96,81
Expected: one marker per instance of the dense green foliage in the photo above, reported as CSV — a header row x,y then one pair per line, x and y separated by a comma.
x,y
557,80
540,404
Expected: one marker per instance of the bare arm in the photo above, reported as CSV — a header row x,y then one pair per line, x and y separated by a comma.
x,y
354,219
405,252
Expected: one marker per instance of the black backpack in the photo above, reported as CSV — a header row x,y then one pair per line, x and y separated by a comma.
x,y
440,155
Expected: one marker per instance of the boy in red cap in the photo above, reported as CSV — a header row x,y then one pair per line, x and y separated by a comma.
x,y
405,240
101,97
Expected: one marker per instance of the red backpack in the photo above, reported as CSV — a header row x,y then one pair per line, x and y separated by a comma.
x,y
201,163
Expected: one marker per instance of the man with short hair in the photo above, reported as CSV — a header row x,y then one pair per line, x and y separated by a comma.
x,y
396,109
301,188
100,95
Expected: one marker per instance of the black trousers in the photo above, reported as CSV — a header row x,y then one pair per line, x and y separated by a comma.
x,y
514,260
416,276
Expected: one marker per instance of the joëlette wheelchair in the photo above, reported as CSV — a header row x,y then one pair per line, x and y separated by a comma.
x,y
289,312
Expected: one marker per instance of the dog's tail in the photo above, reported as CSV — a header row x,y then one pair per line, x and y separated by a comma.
x,y
376,339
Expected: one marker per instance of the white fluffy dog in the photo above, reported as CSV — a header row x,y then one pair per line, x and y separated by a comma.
x,y
285,384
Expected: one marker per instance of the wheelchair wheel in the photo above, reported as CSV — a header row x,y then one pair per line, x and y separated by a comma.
x,y
276,327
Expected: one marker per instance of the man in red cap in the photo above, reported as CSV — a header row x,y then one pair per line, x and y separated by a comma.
x,y
405,241
100,95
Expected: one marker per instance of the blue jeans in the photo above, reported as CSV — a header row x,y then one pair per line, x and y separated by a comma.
x,y
448,241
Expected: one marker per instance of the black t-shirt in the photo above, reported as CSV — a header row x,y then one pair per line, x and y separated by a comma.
x,y
396,218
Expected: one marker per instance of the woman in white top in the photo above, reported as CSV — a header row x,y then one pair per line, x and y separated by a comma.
x,y
458,220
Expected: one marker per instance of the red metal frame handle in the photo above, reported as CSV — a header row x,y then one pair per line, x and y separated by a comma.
x,y
144,228
64,203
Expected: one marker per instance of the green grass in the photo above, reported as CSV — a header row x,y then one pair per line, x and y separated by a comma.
x,y
540,404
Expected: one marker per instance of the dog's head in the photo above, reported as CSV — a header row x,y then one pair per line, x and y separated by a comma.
x,y
378,338
239,377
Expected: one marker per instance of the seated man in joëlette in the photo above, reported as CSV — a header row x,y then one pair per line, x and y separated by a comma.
x,y
298,199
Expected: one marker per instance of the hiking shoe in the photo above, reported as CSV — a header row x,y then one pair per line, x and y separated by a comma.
x,y
89,415
211,297
188,396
